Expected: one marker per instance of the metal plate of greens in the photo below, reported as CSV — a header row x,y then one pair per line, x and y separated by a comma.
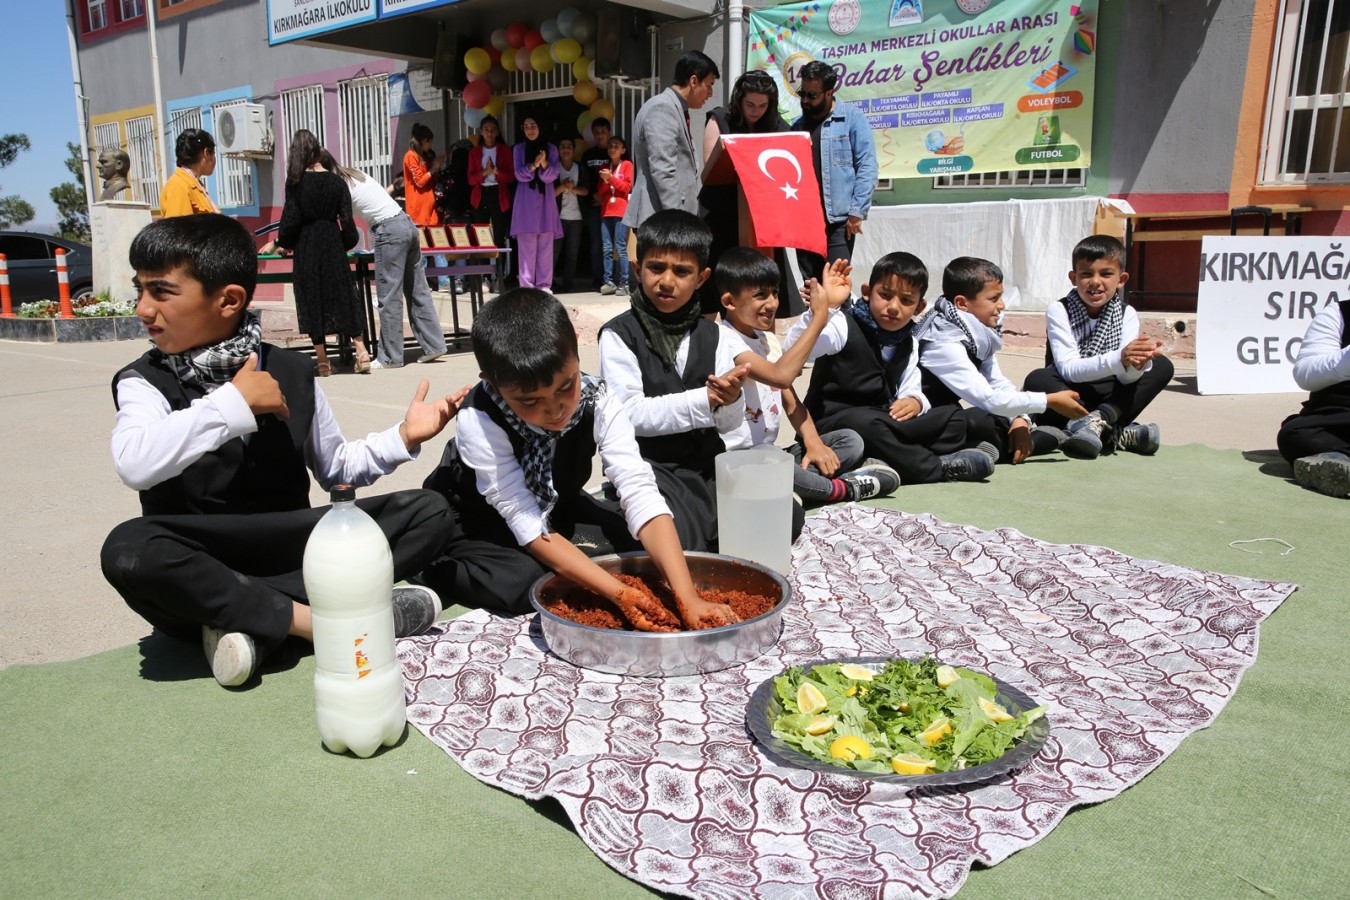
x,y
920,724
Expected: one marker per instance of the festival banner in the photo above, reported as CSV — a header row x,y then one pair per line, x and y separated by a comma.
x,y
949,86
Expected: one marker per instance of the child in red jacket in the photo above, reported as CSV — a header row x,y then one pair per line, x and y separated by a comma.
x,y
616,183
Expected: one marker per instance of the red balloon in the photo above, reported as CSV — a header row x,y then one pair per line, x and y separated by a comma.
x,y
515,34
493,54
477,94
534,39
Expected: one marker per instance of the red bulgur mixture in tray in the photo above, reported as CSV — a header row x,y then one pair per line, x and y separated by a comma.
x,y
577,604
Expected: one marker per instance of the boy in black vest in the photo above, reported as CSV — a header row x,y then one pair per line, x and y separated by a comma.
x,y
216,430
676,375
1316,440
1093,348
957,344
866,379
518,466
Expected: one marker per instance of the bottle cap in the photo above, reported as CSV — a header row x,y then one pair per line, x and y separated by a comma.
x,y
342,492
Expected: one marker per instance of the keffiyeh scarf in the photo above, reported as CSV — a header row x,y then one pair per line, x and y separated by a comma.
x,y
217,364
1106,336
861,311
947,323
540,444
664,331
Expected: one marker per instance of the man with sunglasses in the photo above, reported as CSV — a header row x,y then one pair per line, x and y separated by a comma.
x,y
845,158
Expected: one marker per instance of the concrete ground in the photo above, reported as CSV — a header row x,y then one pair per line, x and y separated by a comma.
x,y
64,496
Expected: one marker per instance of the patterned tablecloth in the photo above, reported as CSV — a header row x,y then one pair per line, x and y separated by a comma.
x,y
663,781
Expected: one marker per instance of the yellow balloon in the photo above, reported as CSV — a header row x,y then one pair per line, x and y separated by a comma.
x,y
509,60
602,109
541,60
477,61
584,123
581,68
495,107
566,51
585,93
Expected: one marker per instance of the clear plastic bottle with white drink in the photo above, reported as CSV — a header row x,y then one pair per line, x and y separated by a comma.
x,y
349,577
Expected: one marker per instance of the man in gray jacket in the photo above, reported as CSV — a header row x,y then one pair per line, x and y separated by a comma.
x,y
665,163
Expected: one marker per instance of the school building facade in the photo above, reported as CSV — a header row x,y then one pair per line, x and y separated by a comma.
x,y
1199,104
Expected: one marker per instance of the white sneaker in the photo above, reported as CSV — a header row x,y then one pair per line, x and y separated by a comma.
x,y
429,357
232,655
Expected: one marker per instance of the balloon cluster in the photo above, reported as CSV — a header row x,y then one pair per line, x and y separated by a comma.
x,y
567,39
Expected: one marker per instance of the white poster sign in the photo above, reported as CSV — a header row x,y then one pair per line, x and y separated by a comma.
x,y
1257,297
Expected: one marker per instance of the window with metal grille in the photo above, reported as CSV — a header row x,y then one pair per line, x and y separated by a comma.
x,y
1016,178
107,136
300,108
363,104
234,174
98,15
1307,134
132,9
144,156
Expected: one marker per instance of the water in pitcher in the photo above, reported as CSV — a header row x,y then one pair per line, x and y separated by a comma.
x,y
349,577
754,506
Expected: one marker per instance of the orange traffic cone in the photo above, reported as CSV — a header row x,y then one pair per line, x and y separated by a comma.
x,y
63,285
6,305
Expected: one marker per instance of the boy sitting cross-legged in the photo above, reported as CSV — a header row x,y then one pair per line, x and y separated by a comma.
x,y
1316,439
517,469
676,373
866,379
957,347
1094,349
216,429
830,467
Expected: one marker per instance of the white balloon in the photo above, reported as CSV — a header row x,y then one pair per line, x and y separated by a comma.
x,y
551,31
590,71
498,39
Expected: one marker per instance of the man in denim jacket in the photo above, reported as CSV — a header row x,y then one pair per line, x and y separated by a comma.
x,y
846,164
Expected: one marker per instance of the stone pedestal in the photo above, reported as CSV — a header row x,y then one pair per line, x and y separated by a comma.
x,y
113,224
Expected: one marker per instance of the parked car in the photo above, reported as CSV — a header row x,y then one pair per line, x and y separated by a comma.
x,y
32,266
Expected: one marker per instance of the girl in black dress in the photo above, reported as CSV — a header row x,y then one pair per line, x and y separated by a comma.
x,y
317,224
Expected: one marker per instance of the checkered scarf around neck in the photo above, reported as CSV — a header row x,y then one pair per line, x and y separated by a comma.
x,y
664,331
540,443
861,311
217,364
945,320
1106,336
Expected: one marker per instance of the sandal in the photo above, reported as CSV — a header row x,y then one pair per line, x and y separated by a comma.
x,y
362,366
323,369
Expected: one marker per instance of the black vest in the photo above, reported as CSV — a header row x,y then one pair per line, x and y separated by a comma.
x,y
1333,396
691,449
856,376
572,459
936,390
266,473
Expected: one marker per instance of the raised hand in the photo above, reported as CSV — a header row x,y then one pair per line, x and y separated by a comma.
x,y
259,389
838,282
425,419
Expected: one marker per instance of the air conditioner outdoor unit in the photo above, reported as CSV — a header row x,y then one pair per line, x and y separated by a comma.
x,y
243,129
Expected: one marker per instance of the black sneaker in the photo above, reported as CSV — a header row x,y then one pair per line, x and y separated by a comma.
x,y
1137,437
415,609
1326,473
1059,435
871,479
974,464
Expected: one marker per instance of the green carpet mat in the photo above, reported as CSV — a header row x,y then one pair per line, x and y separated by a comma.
x,y
131,773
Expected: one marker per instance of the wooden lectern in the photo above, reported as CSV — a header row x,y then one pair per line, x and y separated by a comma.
x,y
719,170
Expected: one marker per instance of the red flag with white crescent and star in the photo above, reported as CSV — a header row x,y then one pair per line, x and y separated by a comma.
x,y
781,191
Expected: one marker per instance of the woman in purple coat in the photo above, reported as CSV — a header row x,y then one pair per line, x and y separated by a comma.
x,y
535,223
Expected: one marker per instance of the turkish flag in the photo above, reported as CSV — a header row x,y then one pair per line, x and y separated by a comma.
x,y
780,188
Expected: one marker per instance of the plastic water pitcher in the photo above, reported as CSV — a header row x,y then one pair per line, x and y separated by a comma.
x,y
349,577
754,505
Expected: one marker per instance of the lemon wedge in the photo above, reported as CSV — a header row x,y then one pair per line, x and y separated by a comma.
x,y
909,764
946,677
850,747
940,728
809,699
820,724
855,672
995,712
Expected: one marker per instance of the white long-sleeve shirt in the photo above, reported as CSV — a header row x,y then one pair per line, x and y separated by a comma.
x,y
1073,366
152,443
984,387
834,336
486,448
673,413
1322,361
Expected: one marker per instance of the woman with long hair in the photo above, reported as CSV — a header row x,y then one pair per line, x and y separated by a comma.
x,y
184,194
400,272
535,223
317,224
752,109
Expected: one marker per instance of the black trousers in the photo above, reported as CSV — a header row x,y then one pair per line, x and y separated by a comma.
x,y
565,252
1130,399
243,572
1307,434
838,245
912,447
489,211
993,429
591,216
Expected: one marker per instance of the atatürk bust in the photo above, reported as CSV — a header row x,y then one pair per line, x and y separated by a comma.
x,y
113,166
